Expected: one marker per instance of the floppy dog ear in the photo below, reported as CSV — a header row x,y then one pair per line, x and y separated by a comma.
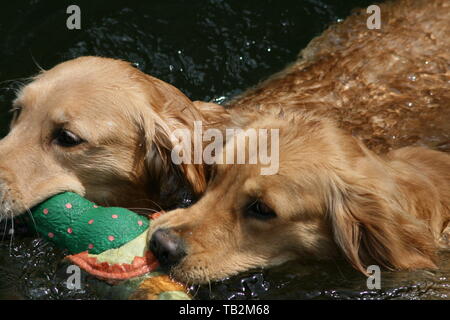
x,y
371,228
158,128
171,110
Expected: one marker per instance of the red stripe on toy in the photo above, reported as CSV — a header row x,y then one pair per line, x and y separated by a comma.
x,y
104,270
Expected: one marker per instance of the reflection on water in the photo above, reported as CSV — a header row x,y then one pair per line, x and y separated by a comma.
x,y
210,50
331,281
33,269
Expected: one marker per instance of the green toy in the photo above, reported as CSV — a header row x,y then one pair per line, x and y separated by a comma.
x,y
109,243
76,224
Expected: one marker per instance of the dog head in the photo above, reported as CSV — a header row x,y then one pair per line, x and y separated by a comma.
x,y
330,196
100,128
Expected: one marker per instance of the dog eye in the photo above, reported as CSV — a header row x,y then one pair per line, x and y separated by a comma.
x,y
65,138
260,210
15,113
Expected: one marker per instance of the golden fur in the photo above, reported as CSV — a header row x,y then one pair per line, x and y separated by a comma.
x,y
333,196
125,117
389,87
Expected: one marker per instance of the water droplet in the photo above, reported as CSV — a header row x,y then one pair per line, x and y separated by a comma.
x,y
219,100
412,77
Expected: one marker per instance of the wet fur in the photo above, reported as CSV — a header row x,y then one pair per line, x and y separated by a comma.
x,y
334,196
125,117
389,88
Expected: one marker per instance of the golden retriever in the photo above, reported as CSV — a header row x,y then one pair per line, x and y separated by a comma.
x,y
332,195
100,128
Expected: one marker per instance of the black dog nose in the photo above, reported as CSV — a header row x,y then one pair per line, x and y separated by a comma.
x,y
167,247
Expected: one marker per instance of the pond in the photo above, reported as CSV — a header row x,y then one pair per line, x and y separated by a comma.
x,y
210,50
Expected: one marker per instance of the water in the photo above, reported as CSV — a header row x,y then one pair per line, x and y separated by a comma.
x,y
211,50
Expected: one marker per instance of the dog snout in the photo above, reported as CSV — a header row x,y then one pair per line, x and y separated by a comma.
x,y
168,247
8,205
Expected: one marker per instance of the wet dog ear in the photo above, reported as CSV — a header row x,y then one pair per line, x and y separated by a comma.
x,y
158,128
171,110
370,227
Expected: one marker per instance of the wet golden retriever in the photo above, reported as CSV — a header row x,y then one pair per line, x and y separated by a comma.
x,y
100,128
332,195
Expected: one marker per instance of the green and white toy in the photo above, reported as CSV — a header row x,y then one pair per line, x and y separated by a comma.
x,y
107,242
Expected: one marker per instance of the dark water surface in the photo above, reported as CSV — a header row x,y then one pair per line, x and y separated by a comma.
x,y
211,50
